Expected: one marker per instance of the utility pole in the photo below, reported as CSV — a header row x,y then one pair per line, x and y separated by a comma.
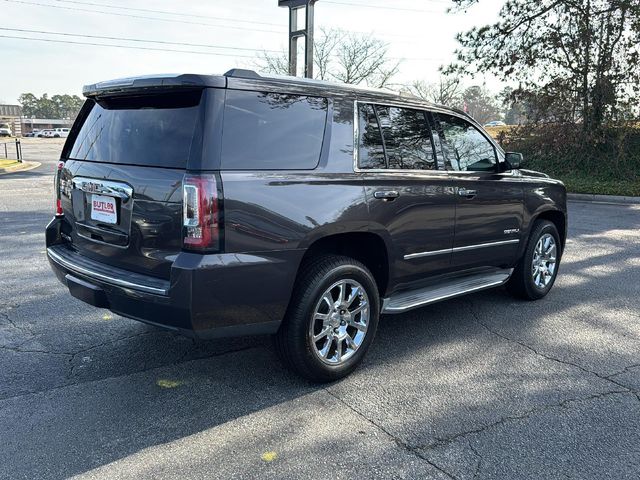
x,y
295,33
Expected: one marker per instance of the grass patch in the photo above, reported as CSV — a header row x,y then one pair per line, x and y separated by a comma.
x,y
603,162
496,132
585,184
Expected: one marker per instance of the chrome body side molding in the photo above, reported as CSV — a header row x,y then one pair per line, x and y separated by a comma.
x,y
460,249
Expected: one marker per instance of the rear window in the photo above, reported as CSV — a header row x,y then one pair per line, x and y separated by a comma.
x,y
272,131
148,130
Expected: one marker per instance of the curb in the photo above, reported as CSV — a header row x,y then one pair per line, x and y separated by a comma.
x,y
612,199
21,167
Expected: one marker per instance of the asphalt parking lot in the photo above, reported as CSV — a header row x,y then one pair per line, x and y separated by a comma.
x,y
483,387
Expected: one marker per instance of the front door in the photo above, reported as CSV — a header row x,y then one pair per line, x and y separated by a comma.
x,y
409,195
489,206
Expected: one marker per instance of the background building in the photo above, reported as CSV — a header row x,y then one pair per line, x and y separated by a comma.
x,y
11,115
29,124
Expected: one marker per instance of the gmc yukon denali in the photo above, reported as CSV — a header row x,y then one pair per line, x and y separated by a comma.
x,y
242,204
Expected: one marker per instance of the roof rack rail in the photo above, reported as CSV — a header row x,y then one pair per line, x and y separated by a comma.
x,y
242,73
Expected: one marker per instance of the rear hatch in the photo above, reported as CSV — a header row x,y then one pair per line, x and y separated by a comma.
x,y
121,185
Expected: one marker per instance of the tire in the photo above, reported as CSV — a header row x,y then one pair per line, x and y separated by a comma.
x,y
524,282
323,275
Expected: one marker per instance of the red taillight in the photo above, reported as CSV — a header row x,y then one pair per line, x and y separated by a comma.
x,y
59,212
200,212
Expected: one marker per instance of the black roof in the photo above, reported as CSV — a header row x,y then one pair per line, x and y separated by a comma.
x,y
248,79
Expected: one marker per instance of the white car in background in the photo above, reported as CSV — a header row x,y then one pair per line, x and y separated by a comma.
x,y
58,133
5,131
45,133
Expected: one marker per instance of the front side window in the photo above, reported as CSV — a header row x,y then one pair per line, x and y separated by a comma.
x,y
394,138
272,131
465,148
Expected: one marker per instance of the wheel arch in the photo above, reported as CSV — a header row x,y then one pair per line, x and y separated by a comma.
x,y
558,218
367,247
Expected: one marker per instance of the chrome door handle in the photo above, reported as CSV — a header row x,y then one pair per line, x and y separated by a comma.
x,y
463,192
386,194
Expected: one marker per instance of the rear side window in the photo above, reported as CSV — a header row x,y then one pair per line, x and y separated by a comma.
x,y
394,138
371,148
406,137
272,131
147,130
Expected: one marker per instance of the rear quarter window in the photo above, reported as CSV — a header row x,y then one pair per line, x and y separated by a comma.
x,y
148,130
272,131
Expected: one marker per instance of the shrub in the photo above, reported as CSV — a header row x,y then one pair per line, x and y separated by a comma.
x,y
606,161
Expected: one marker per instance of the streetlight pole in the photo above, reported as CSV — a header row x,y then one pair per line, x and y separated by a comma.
x,y
295,32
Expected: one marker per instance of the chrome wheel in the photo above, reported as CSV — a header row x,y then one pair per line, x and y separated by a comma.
x,y
543,267
340,321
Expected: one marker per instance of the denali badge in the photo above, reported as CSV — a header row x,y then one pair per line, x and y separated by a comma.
x,y
91,187
511,230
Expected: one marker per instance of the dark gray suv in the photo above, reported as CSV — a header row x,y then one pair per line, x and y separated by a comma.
x,y
241,204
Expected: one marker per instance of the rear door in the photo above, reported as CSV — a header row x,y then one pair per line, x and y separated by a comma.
x,y
122,182
489,205
408,193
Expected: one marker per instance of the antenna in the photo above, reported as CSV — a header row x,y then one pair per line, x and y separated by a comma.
x,y
295,33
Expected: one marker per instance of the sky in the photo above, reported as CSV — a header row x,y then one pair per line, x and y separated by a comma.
x,y
419,32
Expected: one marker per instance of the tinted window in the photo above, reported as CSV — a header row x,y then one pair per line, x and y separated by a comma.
x,y
465,148
403,142
153,130
371,149
271,131
406,139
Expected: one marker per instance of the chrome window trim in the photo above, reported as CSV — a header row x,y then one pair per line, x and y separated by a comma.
x,y
460,249
441,173
101,277
356,136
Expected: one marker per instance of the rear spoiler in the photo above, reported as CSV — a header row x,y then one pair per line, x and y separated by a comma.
x,y
152,82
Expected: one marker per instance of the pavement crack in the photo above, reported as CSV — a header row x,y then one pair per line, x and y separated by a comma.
x,y
476,318
624,370
412,450
18,349
26,331
524,415
476,473
15,325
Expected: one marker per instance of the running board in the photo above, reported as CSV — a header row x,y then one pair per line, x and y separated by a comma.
x,y
409,299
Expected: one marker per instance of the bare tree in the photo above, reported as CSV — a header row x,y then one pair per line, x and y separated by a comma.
x,y
344,57
446,91
481,104
276,63
324,49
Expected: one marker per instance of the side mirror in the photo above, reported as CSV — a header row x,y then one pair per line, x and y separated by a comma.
x,y
513,160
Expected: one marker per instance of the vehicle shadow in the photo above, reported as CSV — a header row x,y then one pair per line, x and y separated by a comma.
x,y
431,373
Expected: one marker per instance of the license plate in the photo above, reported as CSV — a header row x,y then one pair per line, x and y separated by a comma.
x,y
103,209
